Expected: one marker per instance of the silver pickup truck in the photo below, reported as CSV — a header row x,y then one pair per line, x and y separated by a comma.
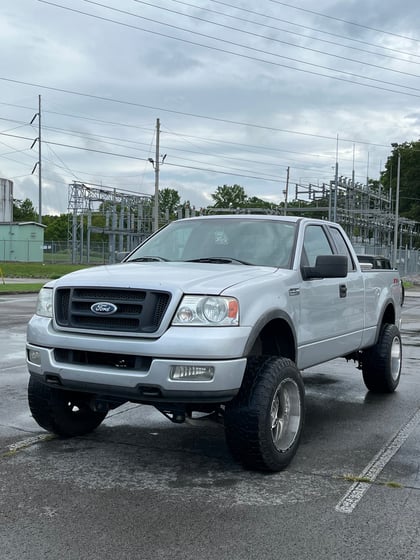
x,y
214,315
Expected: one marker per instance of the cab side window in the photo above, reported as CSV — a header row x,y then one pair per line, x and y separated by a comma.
x,y
342,247
315,243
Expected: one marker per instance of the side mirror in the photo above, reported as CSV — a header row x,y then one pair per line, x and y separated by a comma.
x,y
326,266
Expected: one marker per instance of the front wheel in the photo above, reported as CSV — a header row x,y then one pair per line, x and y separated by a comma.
x,y
264,422
381,364
65,413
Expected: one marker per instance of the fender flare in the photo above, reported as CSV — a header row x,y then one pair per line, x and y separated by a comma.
x,y
381,321
263,321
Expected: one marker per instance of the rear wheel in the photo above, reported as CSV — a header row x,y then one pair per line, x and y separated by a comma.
x,y
264,422
65,413
381,364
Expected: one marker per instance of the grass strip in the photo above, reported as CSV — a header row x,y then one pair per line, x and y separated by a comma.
x,y
20,288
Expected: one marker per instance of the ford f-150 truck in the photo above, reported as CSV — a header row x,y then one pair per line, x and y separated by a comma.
x,y
217,315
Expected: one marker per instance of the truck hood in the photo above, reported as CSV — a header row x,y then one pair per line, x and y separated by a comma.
x,y
192,278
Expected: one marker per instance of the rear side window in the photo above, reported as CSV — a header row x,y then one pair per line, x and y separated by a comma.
x,y
342,246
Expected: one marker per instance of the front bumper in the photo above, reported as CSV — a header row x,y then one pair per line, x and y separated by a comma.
x,y
148,378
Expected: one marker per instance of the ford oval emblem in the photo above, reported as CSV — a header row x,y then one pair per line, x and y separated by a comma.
x,y
103,308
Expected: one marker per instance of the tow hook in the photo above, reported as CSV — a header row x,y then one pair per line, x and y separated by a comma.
x,y
175,414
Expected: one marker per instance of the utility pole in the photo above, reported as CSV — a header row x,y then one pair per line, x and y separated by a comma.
x,y
397,208
156,217
156,166
286,192
38,163
336,184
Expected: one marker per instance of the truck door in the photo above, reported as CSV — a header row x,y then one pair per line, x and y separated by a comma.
x,y
331,309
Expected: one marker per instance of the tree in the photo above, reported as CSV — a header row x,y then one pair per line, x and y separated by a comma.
x,y
255,202
24,211
169,200
57,227
409,199
233,196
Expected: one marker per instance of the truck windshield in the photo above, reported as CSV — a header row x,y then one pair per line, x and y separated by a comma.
x,y
253,242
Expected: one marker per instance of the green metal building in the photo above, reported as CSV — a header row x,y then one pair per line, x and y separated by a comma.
x,y
21,242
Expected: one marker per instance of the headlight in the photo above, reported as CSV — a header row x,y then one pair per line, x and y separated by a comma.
x,y
207,311
45,302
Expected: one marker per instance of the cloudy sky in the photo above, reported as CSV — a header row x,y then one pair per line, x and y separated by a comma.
x,y
243,91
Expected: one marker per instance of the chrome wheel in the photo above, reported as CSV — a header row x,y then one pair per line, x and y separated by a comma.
x,y
285,415
264,422
395,358
381,364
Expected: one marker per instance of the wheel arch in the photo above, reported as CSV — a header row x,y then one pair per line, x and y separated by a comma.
x,y
273,335
388,316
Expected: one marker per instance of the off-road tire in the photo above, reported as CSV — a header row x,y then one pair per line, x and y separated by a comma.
x,y
381,364
65,413
264,422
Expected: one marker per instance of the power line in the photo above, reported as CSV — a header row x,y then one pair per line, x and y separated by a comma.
x,y
91,136
103,152
249,57
299,167
194,115
265,37
78,134
64,165
70,115
297,34
254,49
242,145
344,21
243,173
207,139
339,36
101,138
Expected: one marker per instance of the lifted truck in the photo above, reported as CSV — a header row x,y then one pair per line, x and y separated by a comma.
x,y
219,315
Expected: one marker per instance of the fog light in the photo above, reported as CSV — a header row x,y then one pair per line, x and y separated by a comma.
x,y
192,373
34,356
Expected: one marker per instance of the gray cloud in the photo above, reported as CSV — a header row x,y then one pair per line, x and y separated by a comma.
x,y
241,116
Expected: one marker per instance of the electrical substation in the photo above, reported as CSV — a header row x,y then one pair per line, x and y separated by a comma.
x,y
367,214
125,218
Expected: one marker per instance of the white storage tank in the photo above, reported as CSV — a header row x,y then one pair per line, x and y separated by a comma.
x,y
6,200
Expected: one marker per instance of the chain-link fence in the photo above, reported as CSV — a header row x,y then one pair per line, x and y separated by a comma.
x,y
408,260
60,252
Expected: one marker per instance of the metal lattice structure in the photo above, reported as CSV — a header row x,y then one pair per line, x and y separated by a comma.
x,y
124,218
365,212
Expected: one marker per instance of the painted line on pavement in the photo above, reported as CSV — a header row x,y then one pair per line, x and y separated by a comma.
x,y
27,442
357,490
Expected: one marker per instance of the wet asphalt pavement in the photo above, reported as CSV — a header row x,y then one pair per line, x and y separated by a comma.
x,y
143,488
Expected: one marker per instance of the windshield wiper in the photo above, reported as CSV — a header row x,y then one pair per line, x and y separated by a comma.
x,y
218,260
150,258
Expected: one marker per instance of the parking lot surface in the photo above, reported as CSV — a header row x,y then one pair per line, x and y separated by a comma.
x,y
142,487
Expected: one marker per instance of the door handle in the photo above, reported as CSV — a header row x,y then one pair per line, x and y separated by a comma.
x,y
343,290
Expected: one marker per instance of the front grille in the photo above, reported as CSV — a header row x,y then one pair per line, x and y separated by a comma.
x,y
137,311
